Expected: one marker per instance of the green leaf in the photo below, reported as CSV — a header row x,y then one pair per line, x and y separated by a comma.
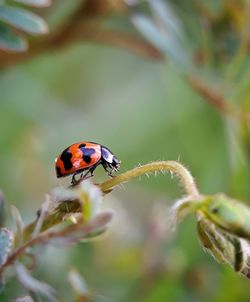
x,y
166,14
6,241
78,284
215,241
10,41
181,208
147,28
227,213
37,3
32,284
224,247
18,225
24,299
23,20
2,212
80,231
164,30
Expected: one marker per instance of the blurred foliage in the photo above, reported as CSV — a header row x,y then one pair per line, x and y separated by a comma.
x,y
56,211
22,20
154,80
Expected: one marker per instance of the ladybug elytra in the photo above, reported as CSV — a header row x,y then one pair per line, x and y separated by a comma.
x,y
85,157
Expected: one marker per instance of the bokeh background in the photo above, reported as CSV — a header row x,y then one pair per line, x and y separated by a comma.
x,y
152,80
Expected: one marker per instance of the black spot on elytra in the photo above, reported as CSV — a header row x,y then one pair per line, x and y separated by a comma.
x,y
58,172
66,159
82,146
86,154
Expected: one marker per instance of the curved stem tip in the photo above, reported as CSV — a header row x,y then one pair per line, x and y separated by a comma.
x,y
175,167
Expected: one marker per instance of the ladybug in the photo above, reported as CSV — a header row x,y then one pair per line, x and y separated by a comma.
x,y
85,157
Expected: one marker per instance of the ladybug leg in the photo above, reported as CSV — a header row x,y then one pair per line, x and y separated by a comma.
x,y
91,171
110,174
105,167
84,175
74,181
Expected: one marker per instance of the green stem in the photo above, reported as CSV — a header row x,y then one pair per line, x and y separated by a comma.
x,y
175,167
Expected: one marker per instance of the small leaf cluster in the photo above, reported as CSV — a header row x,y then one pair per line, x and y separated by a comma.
x,y
67,217
178,32
16,20
223,227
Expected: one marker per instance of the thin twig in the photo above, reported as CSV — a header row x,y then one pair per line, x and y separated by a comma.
x,y
212,96
84,229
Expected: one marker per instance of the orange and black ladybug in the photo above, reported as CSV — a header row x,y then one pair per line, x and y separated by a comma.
x,y
85,156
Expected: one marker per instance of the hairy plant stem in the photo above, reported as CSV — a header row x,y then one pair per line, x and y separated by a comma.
x,y
74,206
175,167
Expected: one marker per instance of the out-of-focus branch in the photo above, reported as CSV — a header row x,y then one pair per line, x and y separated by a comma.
x,y
85,26
92,32
83,31
71,234
210,95
2,202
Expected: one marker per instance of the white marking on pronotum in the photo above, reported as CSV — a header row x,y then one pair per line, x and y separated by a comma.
x,y
108,155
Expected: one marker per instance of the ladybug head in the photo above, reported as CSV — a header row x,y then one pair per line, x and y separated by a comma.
x,y
116,163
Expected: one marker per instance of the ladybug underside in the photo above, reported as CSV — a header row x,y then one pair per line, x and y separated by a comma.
x,y
89,172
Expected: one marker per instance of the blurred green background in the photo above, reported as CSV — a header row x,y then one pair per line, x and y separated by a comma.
x,y
144,109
